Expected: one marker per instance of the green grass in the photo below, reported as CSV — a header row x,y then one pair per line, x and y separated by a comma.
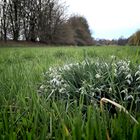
x,y
26,115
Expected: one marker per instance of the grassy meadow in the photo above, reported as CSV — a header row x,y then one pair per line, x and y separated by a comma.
x,y
26,115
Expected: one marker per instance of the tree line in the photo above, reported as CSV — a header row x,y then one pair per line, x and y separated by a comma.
x,y
133,40
44,21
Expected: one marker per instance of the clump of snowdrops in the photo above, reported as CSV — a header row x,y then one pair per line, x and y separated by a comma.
x,y
117,80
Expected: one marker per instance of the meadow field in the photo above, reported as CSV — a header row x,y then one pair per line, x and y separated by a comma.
x,y
27,114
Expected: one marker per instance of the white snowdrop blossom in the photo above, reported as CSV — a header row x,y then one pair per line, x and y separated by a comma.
x,y
62,90
106,65
124,91
55,82
138,87
41,87
113,56
98,76
137,73
66,67
121,68
97,64
129,97
129,82
93,94
138,79
110,90
139,67
129,77
98,89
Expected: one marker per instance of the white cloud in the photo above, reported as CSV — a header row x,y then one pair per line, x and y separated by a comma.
x,y
121,16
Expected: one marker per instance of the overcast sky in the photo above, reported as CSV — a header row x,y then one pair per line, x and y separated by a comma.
x,y
109,19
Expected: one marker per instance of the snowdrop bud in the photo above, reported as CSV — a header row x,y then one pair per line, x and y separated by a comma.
x,y
110,89
139,67
138,88
92,93
128,81
113,57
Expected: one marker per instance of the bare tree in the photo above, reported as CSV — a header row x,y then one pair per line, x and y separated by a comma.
x,y
15,17
45,20
4,19
41,19
51,18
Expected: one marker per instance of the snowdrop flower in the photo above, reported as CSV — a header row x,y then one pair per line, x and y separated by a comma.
x,y
55,82
42,87
138,87
137,73
130,97
62,90
93,94
70,65
129,76
110,90
106,65
98,90
129,82
139,67
122,68
51,74
97,76
138,79
66,67
102,87
97,64
113,56
58,77
115,70
50,69
82,90
124,91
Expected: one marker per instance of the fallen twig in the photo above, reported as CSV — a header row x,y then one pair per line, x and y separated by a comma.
x,y
105,100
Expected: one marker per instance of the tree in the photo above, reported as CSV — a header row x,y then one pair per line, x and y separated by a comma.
x,y
122,41
64,35
4,19
30,19
135,39
43,20
52,16
15,11
82,34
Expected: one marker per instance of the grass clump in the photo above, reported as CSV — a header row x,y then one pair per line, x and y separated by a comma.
x,y
80,87
118,80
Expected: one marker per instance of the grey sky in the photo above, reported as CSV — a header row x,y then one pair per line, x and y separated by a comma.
x,y
108,18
